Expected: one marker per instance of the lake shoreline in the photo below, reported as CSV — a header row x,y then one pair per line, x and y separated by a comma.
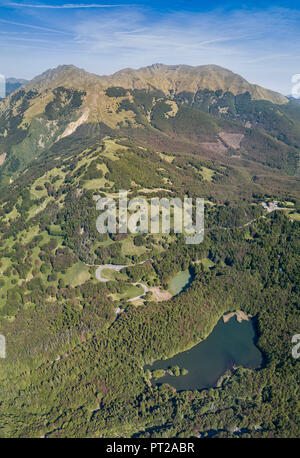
x,y
230,344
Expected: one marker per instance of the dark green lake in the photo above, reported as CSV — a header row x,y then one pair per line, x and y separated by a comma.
x,y
229,344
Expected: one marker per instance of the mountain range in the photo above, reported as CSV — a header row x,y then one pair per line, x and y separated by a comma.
x,y
210,109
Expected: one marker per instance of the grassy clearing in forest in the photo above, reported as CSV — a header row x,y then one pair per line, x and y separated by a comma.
x,y
207,174
207,263
294,216
110,149
130,293
111,274
167,157
77,274
128,248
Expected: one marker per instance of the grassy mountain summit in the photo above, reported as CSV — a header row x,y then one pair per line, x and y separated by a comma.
x,y
179,78
63,75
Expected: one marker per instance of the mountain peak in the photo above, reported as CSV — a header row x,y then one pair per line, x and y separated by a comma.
x,y
66,75
187,78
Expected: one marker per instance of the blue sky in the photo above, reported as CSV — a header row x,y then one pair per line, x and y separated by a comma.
x,y
259,40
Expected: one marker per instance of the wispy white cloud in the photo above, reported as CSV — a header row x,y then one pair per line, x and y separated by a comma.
x,y
32,26
263,46
65,6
